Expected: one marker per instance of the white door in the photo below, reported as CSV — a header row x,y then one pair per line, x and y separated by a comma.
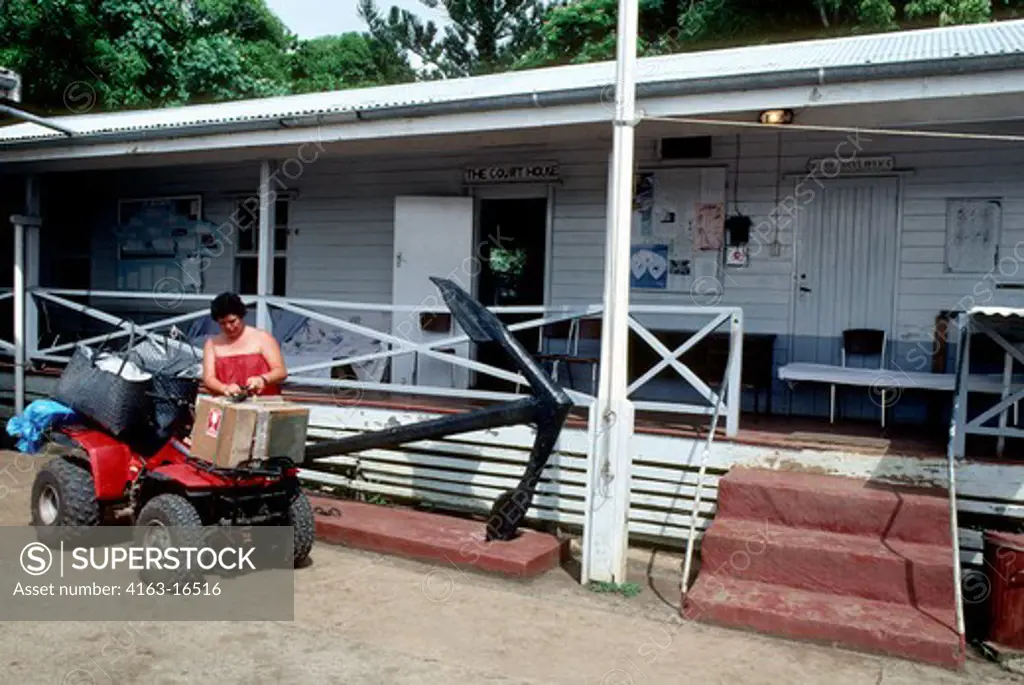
x,y
433,237
847,241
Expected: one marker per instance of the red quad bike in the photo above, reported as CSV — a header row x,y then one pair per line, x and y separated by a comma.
x,y
158,484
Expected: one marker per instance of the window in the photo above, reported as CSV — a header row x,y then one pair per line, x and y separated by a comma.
x,y
247,251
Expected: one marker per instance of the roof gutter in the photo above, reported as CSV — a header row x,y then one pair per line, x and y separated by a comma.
x,y
809,77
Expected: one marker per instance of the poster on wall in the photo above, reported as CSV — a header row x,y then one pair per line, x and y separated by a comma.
x,y
973,232
649,267
678,229
708,226
643,205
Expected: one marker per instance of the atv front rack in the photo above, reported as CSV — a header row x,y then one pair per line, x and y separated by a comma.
x,y
547,410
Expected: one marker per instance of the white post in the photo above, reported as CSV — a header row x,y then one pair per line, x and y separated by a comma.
x,y
265,254
734,391
20,223
1007,380
19,314
33,245
606,531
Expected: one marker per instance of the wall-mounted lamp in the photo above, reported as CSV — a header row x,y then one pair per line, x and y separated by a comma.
x,y
777,116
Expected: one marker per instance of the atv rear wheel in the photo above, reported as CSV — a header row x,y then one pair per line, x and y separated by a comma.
x,y
170,521
63,497
300,516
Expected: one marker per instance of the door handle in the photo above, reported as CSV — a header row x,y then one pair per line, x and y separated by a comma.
x,y
398,260
804,288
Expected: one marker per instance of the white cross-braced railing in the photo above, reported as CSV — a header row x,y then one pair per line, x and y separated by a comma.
x,y
394,345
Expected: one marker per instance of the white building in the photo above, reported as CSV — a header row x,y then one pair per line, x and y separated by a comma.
x,y
374,190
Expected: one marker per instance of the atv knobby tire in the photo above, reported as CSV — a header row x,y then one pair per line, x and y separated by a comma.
x,y
300,516
184,527
63,499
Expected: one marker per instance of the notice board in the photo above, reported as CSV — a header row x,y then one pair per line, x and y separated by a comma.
x,y
678,230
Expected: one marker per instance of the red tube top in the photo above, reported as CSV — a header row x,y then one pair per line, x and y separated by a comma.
x,y
238,368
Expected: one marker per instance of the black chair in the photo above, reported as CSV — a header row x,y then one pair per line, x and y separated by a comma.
x,y
861,342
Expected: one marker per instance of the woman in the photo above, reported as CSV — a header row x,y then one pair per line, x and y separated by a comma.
x,y
241,357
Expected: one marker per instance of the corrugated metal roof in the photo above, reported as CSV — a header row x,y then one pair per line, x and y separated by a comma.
x,y
1004,312
949,43
1008,322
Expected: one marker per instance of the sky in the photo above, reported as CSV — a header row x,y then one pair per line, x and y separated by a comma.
x,y
311,18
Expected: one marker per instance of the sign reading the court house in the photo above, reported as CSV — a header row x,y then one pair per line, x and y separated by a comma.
x,y
538,172
834,166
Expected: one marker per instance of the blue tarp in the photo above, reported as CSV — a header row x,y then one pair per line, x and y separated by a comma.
x,y
32,424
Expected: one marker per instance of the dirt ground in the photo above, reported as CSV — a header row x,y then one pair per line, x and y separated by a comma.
x,y
363,618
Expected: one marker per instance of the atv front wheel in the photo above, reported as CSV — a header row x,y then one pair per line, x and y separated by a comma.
x,y
63,497
170,521
300,516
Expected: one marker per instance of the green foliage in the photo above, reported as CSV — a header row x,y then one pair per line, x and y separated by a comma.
x,y
345,61
951,11
92,55
624,589
577,31
483,37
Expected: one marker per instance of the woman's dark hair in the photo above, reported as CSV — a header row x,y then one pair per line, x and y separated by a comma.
x,y
227,304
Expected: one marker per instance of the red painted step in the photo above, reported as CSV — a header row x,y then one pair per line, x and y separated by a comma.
x,y
434,537
840,505
880,627
820,561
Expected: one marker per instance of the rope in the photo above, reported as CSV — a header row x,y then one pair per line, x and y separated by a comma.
x,y
843,129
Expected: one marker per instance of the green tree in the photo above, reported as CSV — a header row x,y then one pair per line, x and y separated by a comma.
x,y
114,54
585,30
85,55
484,36
351,60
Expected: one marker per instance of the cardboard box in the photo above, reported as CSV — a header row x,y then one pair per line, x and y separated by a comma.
x,y
228,433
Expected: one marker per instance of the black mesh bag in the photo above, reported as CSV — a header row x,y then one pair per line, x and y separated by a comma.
x,y
106,388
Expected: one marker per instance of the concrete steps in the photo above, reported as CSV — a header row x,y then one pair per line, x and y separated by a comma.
x,y
831,559
835,504
852,622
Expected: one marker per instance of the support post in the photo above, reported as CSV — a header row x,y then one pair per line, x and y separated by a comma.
x,y
1007,380
33,245
20,223
734,394
19,315
606,529
265,253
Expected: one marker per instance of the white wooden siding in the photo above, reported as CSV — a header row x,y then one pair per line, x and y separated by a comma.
x,y
343,220
343,216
